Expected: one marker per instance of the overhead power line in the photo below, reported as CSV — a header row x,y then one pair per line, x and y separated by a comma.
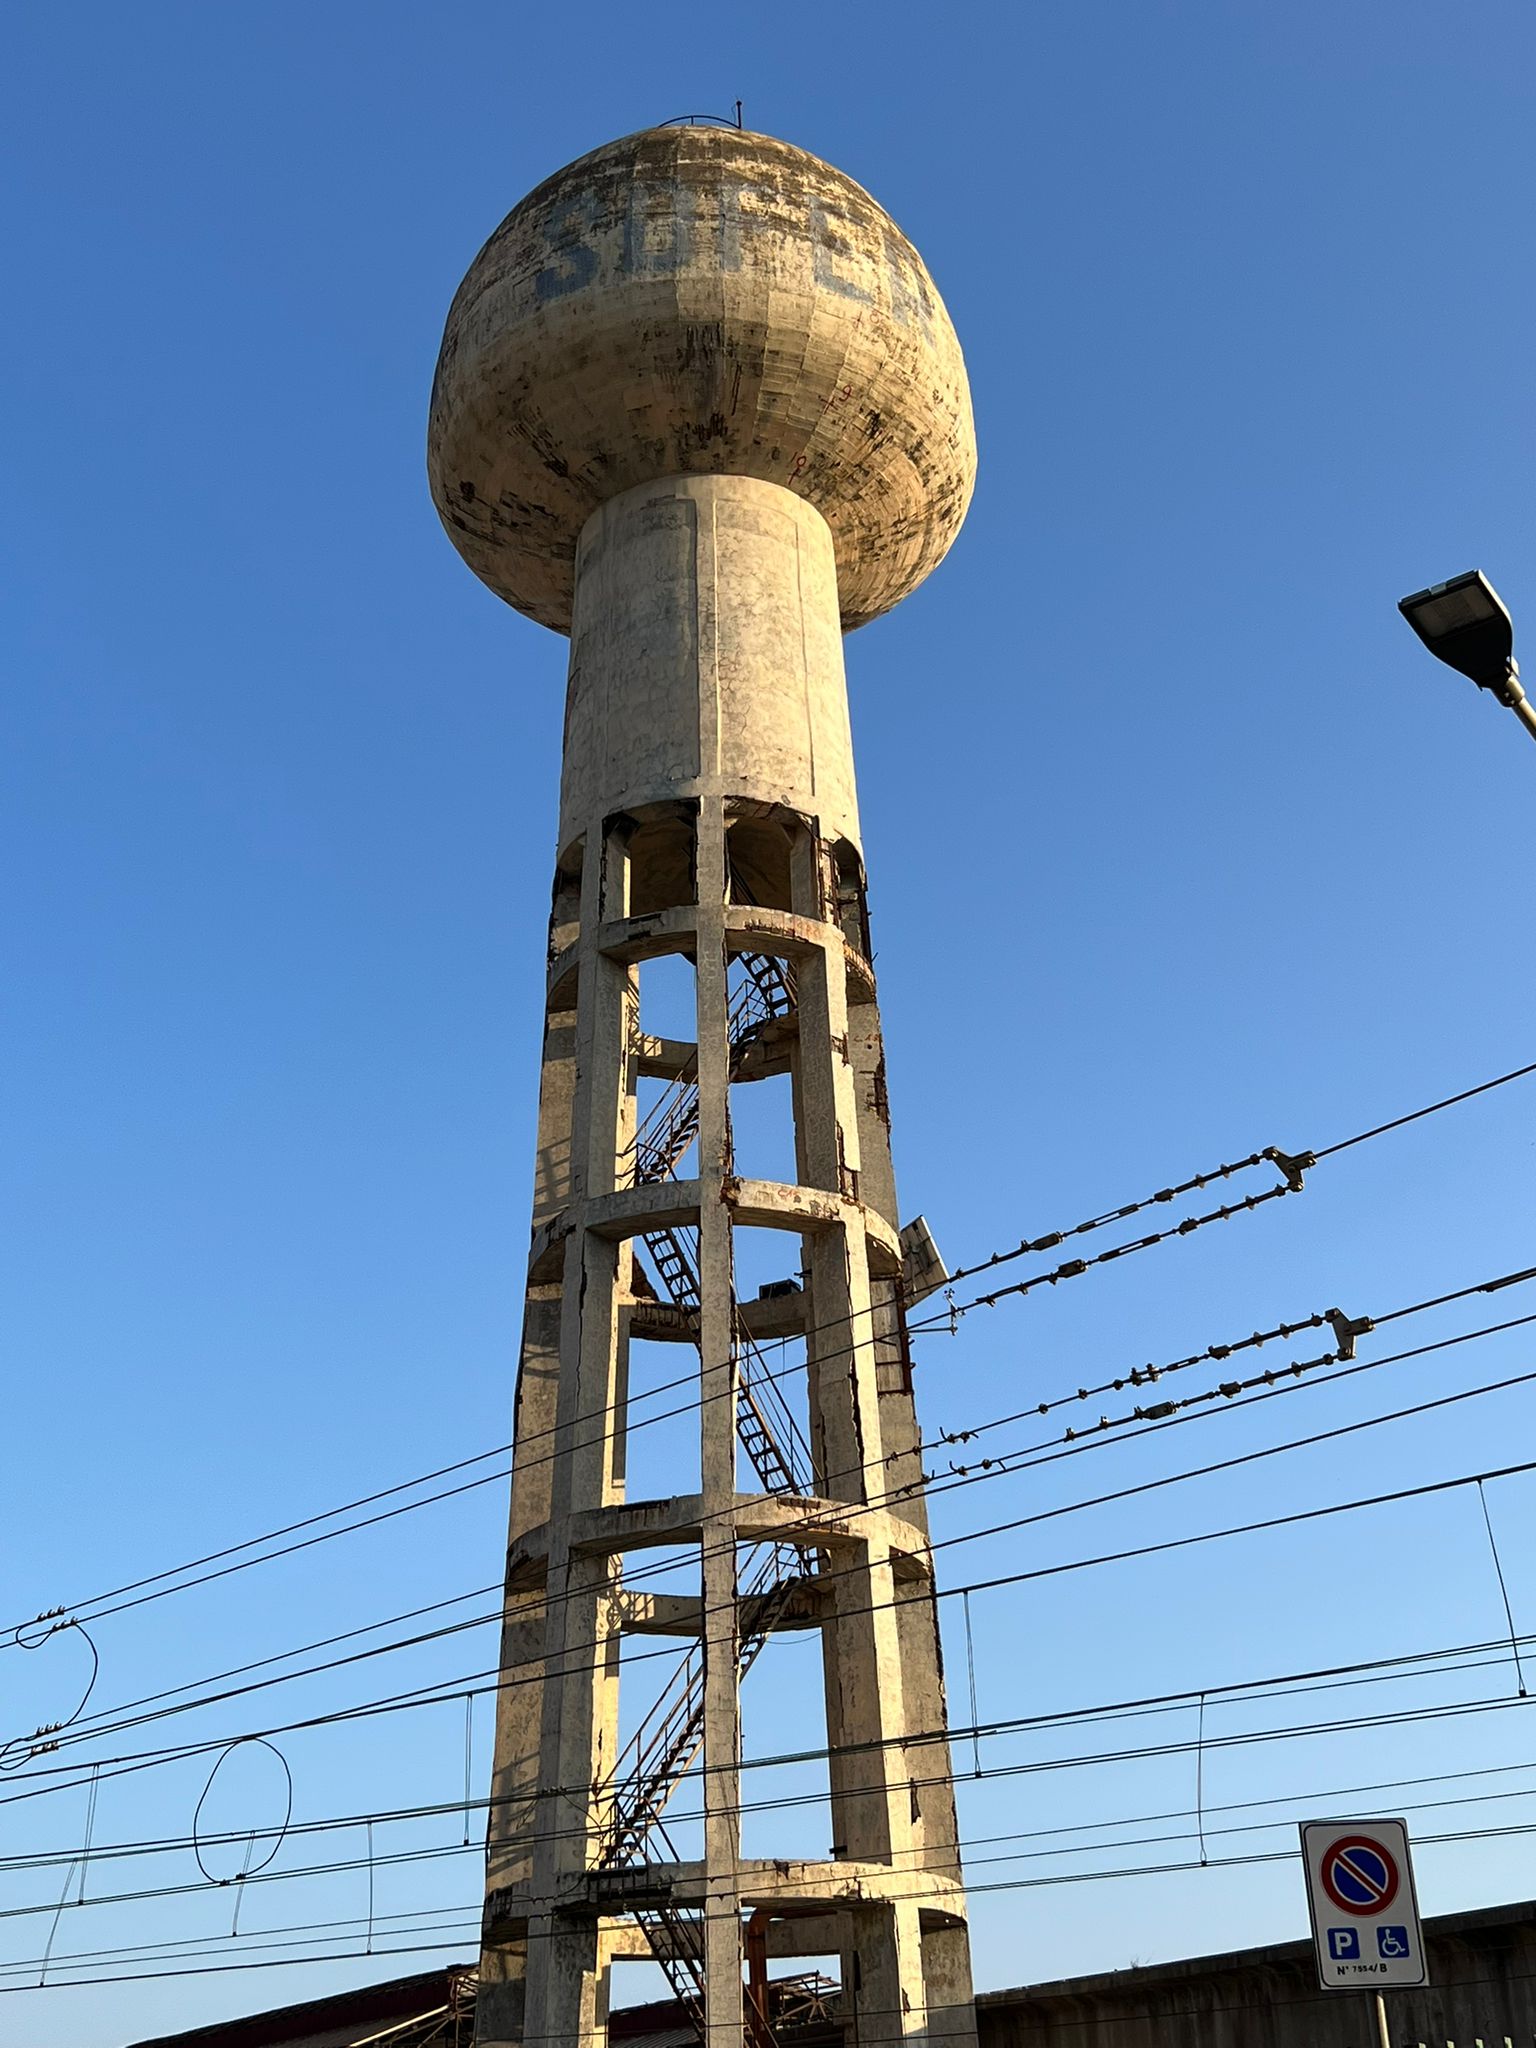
x,y
448,1690
213,1945
995,1886
431,1920
1344,1329
1001,1465
1404,1666
781,1802
1291,1165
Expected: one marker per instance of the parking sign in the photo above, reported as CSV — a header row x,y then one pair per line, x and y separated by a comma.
x,y
1365,1917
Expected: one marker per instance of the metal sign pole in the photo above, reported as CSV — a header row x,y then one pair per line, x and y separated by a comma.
x,y
1382,2029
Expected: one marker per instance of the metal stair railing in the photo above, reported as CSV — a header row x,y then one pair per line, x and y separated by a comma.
x,y
772,1439
668,1131
664,1747
677,1943
765,994
668,1741
652,1763
773,980
769,1433
676,1261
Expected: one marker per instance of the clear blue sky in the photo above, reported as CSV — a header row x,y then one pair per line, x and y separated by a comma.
x,y
1179,847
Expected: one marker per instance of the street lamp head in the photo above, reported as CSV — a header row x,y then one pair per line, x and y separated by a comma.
x,y
1464,624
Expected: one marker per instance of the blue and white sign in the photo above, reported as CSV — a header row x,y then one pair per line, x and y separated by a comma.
x,y
1365,1917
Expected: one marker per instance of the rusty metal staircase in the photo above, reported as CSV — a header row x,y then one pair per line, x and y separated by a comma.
x,y
764,995
653,1765
670,1737
769,1434
668,1741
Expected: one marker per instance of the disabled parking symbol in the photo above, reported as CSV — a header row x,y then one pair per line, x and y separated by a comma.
x,y
1344,1944
1392,1943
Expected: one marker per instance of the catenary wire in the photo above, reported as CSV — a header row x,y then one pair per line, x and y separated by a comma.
x,y
992,1887
1305,1160
935,1483
221,1943
231,1550
1031,1767
932,1737
1002,1465
440,1689
1412,1665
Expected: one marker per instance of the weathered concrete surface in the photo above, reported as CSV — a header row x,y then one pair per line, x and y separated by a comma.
x,y
699,405
674,693
695,301
709,809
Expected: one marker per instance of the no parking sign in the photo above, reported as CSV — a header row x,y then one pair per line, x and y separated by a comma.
x,y
1365,1918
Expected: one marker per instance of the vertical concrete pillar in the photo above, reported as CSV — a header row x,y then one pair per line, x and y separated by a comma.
x,y
717,1393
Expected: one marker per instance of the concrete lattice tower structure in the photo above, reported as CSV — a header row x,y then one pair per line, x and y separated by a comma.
x,y
700,407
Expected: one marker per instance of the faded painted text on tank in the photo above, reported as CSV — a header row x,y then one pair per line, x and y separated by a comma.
x,y
666,227
688,302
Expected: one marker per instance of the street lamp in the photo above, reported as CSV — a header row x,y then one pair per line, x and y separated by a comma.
x,y
1464,624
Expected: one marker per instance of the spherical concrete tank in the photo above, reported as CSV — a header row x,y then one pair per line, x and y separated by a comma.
x,y
699,301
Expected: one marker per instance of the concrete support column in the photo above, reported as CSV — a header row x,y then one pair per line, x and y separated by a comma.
x,y
717,1448
890,2004
947,1980
515,1769
578,1729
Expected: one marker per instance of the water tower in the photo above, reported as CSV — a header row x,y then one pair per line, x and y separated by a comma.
x,y
700,408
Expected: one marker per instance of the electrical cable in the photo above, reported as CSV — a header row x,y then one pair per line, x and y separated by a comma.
x,y
1148,1375
1032,1767
1002,1466
249,1942
99,1612
1301,1161
322,1643
908,1739
1248,1860
469,1911
445,1688
17,1751
231,1550
279,1833
1452,1657
1007,1462
1416,1666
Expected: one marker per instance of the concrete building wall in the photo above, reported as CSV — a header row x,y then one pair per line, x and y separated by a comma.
x,y
1483,1995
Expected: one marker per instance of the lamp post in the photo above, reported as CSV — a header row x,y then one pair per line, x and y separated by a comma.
x,y
1464,624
